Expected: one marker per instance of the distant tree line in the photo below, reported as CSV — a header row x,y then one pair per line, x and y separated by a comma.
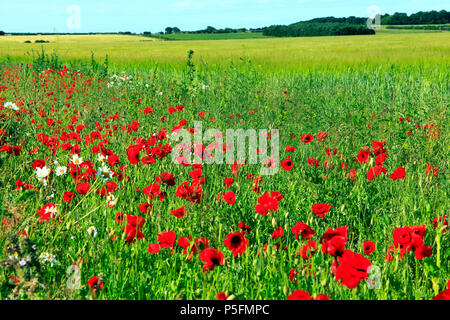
x,y
2,33
209,29
421,27
170,30
312,29
431,17
353,25
348,20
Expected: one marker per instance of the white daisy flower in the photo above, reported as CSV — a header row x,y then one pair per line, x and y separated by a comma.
x,y
110,197
60,171
76,160
11,105
42,174
101,157
52,210
104,173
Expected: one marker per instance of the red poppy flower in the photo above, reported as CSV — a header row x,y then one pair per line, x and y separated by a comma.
x,y
95,283
83,188
313,162
289,149
244,227
410,238
230,198
145,207
133,154
179,213
443,295
304,295
113,160
321,209
287,164
236,243
375,172
196,173
278,233
307,250
166,178
443,220
119,217
334,241
268,203
307,138
380,159
368,247
304,230
300,295
322,297
68,196
399,173
211,257
166,239
38,164
228,182
293,274
47,212
322,135
153,248
378,147
350,269
363,156
134,228
221,296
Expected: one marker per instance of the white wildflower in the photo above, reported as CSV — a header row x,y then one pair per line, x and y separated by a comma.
x,y
101,157
11,105
48,258
76,159
104,173
92,231
61,171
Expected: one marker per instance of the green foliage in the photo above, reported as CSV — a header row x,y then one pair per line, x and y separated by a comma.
x,y
431,17
317,29
207,36
420,27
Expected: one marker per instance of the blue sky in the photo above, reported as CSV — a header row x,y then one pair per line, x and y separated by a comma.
x,y
154,16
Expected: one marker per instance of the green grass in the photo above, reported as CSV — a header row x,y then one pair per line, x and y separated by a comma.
x,y
354,105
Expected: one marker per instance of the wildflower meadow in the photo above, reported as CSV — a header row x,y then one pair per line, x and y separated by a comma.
x,y
225,181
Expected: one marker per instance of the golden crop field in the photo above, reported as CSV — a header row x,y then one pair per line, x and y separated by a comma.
x,y
404,49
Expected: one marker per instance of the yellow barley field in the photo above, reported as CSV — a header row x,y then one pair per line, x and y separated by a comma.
x,y
404,49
